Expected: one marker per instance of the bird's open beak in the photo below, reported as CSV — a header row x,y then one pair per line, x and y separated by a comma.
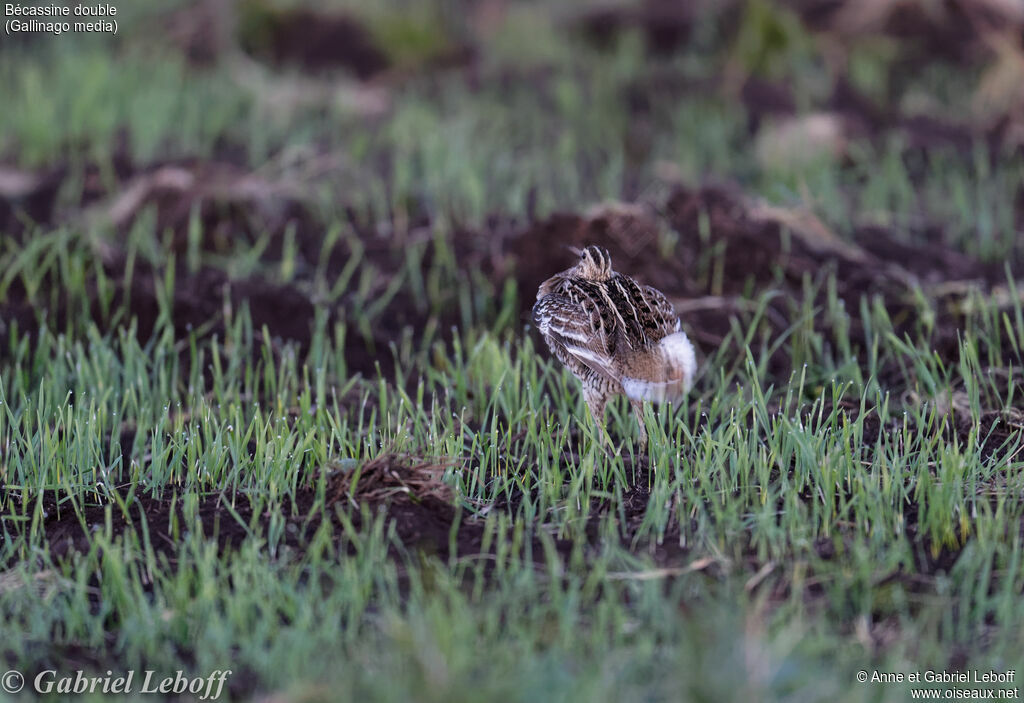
x,y
575,250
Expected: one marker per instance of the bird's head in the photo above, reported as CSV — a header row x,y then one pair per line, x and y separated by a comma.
x,y
595,263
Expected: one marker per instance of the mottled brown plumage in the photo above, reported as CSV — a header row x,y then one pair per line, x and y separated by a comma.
x,y
615,335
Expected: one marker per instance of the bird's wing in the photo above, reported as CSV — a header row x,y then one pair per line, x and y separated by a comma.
x,y
664,311
575,335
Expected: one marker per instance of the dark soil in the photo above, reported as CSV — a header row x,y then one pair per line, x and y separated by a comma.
x,y
665,25
860,118
231,208
200,302
749,250
729,249
951,30
408,492
754,250
311,40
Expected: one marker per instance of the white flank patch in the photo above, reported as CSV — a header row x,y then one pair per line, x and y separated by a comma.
x,y
679,356
679,353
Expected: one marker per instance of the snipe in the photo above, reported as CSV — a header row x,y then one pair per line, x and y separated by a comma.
x,y
615,335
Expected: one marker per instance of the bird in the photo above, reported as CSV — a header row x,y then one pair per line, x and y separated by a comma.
x,y
615,335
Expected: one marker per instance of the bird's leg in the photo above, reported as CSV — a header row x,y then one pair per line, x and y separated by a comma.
x,y
638,410
596,402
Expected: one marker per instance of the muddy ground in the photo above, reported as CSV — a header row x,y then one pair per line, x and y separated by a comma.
x,y
759,249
